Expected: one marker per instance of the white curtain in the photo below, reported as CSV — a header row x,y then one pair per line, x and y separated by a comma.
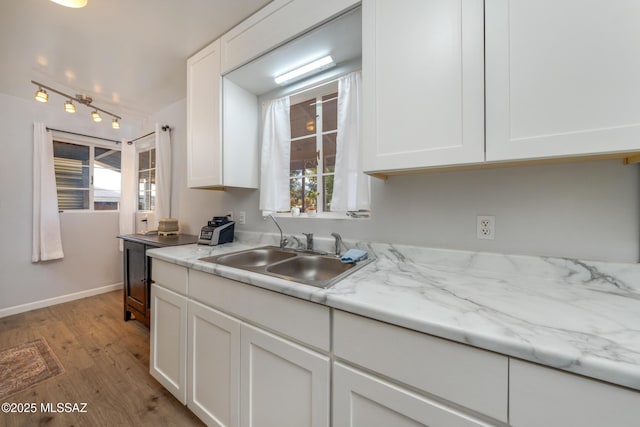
x,y
276,153
351,187
47,241
163,174
128,196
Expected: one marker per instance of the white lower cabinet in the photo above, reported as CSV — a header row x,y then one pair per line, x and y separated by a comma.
x,y
283,384
540,396
362,400
169,340
213,366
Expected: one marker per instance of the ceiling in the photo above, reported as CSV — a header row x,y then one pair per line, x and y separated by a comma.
x,y
129,55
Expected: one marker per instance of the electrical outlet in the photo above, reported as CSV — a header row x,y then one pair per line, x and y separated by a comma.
x,y
486,227
230,215
242,217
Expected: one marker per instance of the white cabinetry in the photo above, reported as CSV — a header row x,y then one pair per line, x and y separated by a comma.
x,y
423,77
219,156
362,400
213,366
273,25
169,340
540,396
283,384
466,376
562,78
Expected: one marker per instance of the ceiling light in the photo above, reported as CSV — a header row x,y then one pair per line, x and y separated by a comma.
x,y
69,107
71,3
305,70
42,95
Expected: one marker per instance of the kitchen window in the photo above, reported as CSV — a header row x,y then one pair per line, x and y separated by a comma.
x,y
87,176
314,129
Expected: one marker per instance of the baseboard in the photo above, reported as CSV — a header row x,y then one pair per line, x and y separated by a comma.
x,y
4,312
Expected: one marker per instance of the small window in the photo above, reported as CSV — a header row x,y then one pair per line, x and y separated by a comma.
x,y
313,148
147,180
87,177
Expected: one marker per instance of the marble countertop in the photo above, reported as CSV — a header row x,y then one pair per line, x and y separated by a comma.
x,y
577,316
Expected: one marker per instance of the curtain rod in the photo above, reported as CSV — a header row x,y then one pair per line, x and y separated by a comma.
x,y
82,134
164,128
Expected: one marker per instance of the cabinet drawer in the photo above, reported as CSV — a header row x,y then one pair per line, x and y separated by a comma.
x,y
304,321
470,377
170,276
273,25
540,396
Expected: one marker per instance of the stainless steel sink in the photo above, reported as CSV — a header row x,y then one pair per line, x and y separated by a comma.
x,y
310,268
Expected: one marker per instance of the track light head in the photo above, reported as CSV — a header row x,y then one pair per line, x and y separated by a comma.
x,y
96,116
41,95
69,107
115,124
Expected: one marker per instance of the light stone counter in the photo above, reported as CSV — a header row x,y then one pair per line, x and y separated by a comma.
x,y
578,316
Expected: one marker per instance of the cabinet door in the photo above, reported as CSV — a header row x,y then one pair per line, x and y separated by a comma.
x,y
540,396
283,384
213,366
362,400
423,83
168,361
562,78
135,284
204,150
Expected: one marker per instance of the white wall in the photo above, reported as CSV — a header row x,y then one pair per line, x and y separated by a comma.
x,y
92,259
588,210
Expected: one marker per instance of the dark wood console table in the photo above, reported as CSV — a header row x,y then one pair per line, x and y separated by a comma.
x,y
137,271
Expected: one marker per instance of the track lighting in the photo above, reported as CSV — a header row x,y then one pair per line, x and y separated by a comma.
x,y
69,106
42,95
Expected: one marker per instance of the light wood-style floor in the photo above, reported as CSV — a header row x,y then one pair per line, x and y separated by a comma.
x,y
106,362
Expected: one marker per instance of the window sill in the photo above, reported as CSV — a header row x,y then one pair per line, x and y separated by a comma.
x,y
323,215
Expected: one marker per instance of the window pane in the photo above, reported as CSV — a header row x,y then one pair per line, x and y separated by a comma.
x,y
310,193
327,192
330,112
329,152
303,155
73,199
105,206
71,164
303,118
296,193
143,160
106,158
152,157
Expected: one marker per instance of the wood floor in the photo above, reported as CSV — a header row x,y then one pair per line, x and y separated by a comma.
x,y
106,362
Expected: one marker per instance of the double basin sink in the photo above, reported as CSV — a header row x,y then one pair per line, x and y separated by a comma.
x,y
311,268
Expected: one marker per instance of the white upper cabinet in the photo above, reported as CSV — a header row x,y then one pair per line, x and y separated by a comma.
x,y
563,78
204,95
273,25
222,126
423,77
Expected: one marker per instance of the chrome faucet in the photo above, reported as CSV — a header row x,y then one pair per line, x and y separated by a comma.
x,y
338,242
283,241
309,237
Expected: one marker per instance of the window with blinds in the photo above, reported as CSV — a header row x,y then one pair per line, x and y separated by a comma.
x,y
87,177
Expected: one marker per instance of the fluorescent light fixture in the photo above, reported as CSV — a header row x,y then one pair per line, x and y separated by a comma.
x,y
71,3
315,66
69,107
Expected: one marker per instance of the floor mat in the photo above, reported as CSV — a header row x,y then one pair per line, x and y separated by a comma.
x,y
25,365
